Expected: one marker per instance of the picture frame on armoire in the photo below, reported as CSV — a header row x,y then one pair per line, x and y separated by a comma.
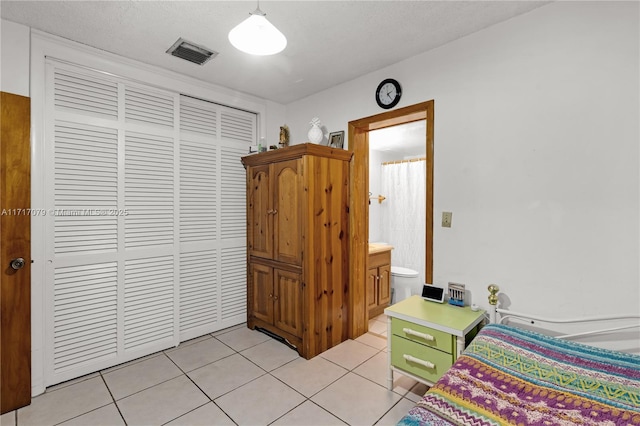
x,y
336,139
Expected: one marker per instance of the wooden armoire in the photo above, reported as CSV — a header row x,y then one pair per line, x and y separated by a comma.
x,y
298,245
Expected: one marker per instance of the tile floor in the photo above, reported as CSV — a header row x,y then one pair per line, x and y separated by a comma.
x,y
235,376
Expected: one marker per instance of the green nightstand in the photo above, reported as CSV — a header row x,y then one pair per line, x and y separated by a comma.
x,y
425,338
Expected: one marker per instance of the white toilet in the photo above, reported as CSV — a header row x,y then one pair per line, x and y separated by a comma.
x,y
405,282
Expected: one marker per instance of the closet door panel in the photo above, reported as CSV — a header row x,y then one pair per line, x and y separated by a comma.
x,y
85,320
149,190
145,106
233,286
199,292
233,232
85,187
198,191
148,301
212,216
233,200
85,94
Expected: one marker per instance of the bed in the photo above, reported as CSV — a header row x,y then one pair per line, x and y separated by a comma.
x,y
511,375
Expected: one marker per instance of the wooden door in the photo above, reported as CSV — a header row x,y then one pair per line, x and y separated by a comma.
x,y
384,285
287,212
15,239
288,302
261,282
259,212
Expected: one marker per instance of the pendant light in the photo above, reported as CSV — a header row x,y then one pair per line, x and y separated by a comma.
x,y
257,36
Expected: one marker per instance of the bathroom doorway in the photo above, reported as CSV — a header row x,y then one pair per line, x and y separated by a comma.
x,y
358,143
397,191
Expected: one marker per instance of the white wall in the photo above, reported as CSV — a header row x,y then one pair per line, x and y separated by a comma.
x,y
536,154
14,58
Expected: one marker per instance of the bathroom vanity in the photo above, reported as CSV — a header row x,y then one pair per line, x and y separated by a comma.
x,y
379,278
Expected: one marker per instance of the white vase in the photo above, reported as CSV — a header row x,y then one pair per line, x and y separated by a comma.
x,y
315,134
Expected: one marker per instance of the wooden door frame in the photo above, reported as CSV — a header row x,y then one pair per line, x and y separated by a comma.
x,y
358,139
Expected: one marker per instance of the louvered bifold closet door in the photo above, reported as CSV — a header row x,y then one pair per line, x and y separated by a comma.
x,y
82,326
212,206
145,225
111,244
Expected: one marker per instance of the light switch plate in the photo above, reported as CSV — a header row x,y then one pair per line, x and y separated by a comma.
x,y
446,219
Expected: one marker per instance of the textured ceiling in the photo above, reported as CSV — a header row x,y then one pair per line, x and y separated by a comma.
x,y
329,42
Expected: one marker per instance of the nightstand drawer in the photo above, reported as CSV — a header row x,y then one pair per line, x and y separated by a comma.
x,y
418,359
423,335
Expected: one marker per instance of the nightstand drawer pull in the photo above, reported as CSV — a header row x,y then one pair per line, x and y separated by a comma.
x,y
415,360
424,336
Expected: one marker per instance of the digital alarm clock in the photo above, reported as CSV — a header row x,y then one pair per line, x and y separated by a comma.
x,y
433,293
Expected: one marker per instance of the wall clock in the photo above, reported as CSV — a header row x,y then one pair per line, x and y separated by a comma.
x,y
388,93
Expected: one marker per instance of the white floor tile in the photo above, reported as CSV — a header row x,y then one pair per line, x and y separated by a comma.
x,y
188,342
356,400
373,340
270,355
403,384
242,338
308,414
375,369
309,376
259,402
377,327
66,403
349,354
396,413
72,382
128,363
417,392
208,414
140,375
105,416
162,403
199,354
8,419
228,329
222,376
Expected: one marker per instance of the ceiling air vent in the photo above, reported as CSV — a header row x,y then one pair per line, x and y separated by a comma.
x,y
191,52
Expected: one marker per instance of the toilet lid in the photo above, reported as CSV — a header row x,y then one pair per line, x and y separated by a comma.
x,y
403,272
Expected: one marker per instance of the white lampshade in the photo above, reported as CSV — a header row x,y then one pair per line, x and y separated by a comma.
x,y
257,36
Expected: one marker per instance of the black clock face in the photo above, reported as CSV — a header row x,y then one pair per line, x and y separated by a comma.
x,y
388,93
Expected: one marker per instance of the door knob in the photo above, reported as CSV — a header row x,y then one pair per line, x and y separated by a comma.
x,y
17,263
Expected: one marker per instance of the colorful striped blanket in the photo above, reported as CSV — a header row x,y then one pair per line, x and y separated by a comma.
x,y
513,376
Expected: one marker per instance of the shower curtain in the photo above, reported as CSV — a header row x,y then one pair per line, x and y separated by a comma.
x,y
404,213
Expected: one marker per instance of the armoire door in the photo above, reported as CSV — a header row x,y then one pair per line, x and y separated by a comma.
x,y
287,212
259,212
288,301
15,253
261,288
